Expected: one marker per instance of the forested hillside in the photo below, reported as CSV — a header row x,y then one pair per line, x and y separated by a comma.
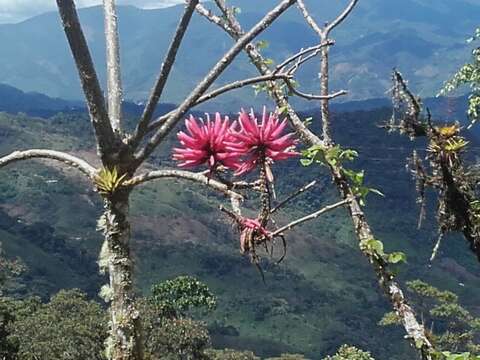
x,y
319,297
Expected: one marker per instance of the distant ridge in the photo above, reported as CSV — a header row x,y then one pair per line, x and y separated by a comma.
x,y
413,35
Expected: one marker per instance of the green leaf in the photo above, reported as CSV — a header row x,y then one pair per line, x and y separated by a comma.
x,y
268,61
262,44
306,162
396,257
373,246
283,109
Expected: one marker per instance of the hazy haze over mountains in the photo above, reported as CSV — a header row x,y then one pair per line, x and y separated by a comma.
x,y
424,39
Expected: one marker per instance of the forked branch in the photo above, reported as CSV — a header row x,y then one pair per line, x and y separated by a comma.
x,y
235,31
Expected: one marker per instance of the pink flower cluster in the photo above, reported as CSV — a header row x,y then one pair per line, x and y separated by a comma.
x,y
240,146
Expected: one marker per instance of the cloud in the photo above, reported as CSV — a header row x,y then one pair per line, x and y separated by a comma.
x,y
17,10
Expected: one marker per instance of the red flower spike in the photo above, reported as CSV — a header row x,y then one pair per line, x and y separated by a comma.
x,y
206,143
247,229
254,224
264,140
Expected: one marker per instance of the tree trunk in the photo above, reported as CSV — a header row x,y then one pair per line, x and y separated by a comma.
x,y
125,341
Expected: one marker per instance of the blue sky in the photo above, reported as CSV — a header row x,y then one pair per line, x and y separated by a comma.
x,y
12,11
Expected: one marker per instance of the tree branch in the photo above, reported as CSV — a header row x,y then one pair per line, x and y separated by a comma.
x,y
234,29
340,17
210,16
309,19
221,90
164,73
67,159
183,175
313,96
312,50
88,77
241,83
216,71
293,195
114,80
309,217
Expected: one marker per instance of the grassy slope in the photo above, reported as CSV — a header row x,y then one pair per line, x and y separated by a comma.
x,y
322,295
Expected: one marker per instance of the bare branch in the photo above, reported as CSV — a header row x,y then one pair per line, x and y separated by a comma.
x,y
165,70
309,19
114,79
323,33
312,51
222,90
183,175
309,217
88,77
226,11
313,96
235,31
324,62
241,83
216,71
293,195
341,17
210,16
415,331
65,158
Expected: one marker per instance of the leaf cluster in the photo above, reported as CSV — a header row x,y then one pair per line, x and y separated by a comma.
x,y
453,329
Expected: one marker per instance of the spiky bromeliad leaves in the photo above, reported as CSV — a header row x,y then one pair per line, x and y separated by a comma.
x,y
108,181
445,172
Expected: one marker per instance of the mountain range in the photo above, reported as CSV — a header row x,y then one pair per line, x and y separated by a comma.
x,y
424,39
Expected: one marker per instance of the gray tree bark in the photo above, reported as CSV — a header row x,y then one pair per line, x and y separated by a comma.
x,y
125,341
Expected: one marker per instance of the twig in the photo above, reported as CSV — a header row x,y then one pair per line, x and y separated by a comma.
x,y
67,159
242,83
309,19
436,247
114,81
222,90
164,73
310,50
309,217
293,195
210,16
340,17
313,96
328,27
